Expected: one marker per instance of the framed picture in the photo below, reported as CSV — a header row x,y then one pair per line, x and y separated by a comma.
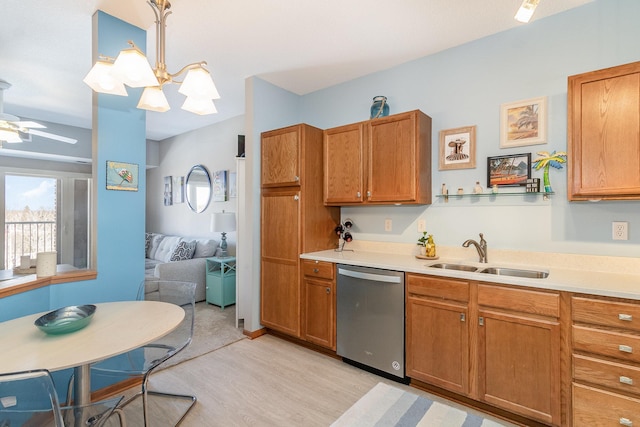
x,y
523,123
512,170
122,176
233,189
219,184
178,189
168,190
458,148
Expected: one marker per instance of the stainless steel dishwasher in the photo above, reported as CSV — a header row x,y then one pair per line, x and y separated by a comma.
x,y
370,319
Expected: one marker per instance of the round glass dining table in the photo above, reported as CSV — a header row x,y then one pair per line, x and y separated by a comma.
x,y
116,327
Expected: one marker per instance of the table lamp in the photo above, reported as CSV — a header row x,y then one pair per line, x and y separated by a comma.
x,y
223,222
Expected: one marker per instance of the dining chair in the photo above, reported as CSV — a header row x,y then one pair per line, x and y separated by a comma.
x,y
143,361
29,398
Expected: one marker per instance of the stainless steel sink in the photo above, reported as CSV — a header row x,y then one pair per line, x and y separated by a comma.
x,y
460,267
514,272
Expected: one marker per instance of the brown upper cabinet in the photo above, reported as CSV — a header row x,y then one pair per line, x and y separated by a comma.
x,y
604,134
380,161
281,154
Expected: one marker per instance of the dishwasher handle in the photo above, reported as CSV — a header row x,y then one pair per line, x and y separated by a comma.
x,y
369,276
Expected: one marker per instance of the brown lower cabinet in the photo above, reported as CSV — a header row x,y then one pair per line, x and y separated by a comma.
x,y
495,344
319,284
606,361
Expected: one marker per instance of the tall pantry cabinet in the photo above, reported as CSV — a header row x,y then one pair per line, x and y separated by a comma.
x,y
293,220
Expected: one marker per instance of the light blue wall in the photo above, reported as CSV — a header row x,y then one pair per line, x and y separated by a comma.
x,y
465,86
119,135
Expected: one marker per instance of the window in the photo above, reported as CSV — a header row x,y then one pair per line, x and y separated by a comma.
x,y
43,213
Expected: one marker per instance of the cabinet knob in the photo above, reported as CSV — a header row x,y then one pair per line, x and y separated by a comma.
x,y
315,270
626,422
625,348
462,317
481,321
369,194
296,197
328,291
358,194
626,380
625,317
296,178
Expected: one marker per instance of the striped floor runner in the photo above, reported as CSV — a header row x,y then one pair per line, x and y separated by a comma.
x,y
386,406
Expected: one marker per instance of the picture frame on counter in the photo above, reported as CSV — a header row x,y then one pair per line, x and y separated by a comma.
x,y
457,148
523,122
509,171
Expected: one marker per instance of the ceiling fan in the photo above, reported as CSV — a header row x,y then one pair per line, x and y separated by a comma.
x,y
12,129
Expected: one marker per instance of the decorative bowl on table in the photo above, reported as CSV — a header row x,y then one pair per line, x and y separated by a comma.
x,y
66,319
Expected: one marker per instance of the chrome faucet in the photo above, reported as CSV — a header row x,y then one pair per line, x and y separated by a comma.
x,y
480,247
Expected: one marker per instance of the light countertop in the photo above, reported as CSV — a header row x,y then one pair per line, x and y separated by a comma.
x,y
570,274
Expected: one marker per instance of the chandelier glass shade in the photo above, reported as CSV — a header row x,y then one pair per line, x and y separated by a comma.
x,y
526,10
131,68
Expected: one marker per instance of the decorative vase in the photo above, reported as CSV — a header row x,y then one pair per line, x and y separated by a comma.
x,y
379,108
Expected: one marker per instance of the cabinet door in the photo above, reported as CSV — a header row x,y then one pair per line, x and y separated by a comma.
x,y
392,153
519,364
438,344
604,134
281,157
320,312
344,164
280,272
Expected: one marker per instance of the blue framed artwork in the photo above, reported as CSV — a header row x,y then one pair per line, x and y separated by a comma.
x,y
122,176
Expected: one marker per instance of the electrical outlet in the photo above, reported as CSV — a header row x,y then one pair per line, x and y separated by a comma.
x,y
422,225
387,224
620,230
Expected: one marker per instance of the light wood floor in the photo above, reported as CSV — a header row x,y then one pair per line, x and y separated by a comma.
x,y
262,382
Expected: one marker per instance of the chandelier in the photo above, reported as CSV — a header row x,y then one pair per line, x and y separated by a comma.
x,y
131,68
526,10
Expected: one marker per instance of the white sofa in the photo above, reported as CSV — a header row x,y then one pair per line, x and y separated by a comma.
x,y
178,258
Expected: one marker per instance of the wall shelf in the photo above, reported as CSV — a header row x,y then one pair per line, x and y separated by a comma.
x,y
494,196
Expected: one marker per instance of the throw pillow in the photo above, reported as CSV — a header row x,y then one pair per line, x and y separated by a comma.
x,y
147,244
205,248
183,251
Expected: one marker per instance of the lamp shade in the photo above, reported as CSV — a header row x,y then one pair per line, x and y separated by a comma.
x,y
526,10
101,80
223,222
153,99
199,84
133,69
9,135
200,106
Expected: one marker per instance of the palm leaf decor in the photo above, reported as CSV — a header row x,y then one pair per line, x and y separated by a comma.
x,y
545,160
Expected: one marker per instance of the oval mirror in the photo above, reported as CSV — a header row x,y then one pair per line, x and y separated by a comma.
x,y
198,188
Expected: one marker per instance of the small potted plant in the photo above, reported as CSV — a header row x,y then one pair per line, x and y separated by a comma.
x,y
422,242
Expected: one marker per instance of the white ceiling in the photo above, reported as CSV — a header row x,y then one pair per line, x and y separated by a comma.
x,y
299,45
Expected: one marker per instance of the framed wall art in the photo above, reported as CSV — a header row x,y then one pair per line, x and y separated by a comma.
x,y
457,148
523,123
178,189
219,184
122,176
511,170
168,191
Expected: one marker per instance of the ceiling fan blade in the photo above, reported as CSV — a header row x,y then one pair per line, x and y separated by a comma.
x,y
53,136
29,124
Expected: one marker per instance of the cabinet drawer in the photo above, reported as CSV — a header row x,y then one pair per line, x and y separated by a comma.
x,y
521,300
618,376
436,287
325,270
613,344
594,407
606,313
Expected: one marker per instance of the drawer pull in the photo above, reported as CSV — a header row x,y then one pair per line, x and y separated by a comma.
x,y
462,317
481,321
315,270
625,348
626,380
626,422
625,317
